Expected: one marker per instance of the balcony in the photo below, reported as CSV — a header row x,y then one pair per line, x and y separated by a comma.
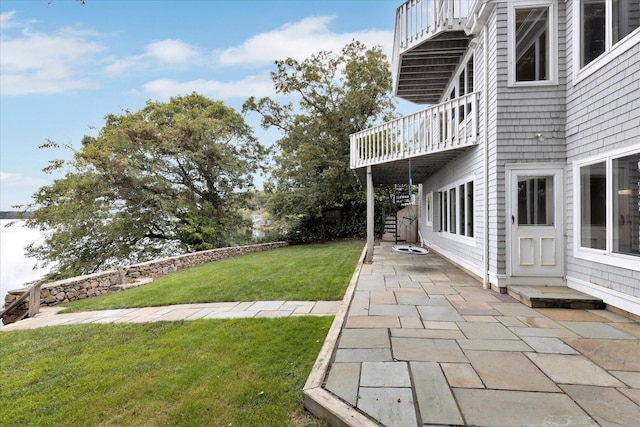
x,y
429,41
430,138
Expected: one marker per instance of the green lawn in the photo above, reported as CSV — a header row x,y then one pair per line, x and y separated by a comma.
x,y
241,372
307,273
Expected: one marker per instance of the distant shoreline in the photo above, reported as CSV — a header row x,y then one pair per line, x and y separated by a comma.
x,y
15,215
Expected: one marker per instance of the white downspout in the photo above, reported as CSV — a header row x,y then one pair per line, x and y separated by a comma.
x,y
485,53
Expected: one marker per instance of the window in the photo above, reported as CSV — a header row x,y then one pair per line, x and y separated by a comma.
x,y
464,87
532,39
625,174
593,206
609,208
532,43
592,30
535,201
456,209
625,18
603,24
429,210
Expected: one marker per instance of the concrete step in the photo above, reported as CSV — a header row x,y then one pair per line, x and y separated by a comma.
x,y
554,297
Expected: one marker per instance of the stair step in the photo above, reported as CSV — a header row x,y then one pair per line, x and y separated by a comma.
x,y
554,297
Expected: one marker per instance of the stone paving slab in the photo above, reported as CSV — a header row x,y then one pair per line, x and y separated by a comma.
x,y
548,345
492,408
360,355
393,407
384,374
619,355
343,381
632,394
509,371
607,406
364,338
427,333
373,322
487,331
427,350
632,379
461,375
493,345
435,399
393,310
573,369
596,330
441,313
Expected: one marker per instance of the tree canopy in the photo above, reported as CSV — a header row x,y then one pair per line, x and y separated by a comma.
x,y
169,178
313,189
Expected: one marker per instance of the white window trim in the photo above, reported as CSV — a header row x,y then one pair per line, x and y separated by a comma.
x,y
606,256
610,53
455,236
553,42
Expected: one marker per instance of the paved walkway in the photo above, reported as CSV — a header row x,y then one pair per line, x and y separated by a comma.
x,y
216,310
424,344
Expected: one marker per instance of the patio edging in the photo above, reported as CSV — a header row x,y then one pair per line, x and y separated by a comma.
x,y
320,402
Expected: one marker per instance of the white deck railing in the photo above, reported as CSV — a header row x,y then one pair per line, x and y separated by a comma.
x,y
452,124
417,20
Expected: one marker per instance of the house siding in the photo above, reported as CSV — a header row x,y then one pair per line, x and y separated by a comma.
x,y
577,118
603,115
467,252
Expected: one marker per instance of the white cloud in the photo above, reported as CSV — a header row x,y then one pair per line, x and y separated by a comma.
x,y
38,63
169,52
257,85
8,179
6,20
299,40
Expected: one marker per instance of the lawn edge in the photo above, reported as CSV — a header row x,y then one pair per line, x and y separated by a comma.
x,y
320,402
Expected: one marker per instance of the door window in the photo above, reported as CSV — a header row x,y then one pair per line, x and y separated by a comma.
x,y
535,201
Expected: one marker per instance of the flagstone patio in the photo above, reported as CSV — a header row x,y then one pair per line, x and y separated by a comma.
x,y
422,343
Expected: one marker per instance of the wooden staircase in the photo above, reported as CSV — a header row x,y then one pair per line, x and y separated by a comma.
x,y
401,199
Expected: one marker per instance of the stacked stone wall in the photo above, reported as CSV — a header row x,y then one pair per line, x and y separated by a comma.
x,y
81,287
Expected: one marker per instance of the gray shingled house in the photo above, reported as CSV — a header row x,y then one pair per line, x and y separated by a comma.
x,y
527,156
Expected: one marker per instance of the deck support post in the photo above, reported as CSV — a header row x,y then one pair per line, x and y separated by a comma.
x,y
370,216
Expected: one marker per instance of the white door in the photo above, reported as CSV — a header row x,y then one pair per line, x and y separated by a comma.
x,y
535,222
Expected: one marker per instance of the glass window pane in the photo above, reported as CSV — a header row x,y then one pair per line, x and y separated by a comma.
x,y
443,211
536,201
532,42
470,209
593,206
626,205
470,75
452,210
462,209
593,30
626,18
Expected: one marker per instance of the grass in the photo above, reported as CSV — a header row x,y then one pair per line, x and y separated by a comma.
x,y
241,372
306,273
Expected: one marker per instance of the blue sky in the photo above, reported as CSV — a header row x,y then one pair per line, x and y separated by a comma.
x,y
64,66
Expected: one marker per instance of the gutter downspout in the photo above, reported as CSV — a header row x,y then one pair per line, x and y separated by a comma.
x,y
485,53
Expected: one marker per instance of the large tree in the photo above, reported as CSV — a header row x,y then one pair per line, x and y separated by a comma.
x,y
170,178
313,189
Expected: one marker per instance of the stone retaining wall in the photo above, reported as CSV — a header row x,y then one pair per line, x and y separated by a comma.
x,y
90,285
